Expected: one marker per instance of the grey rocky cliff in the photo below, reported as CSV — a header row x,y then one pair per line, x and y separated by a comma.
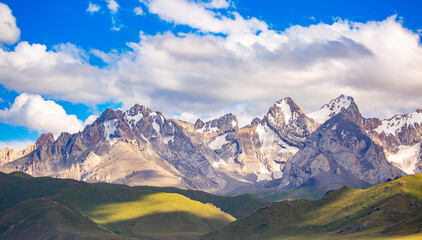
x,y
290,122
400,136
339,152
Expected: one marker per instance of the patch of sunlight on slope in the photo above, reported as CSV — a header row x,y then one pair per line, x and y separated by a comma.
x,y
346,202
417,236
155,203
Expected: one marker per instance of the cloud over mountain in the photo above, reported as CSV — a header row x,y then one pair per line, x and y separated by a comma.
x,y
227,60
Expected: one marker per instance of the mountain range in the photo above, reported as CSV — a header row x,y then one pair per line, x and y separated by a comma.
x,y
284,150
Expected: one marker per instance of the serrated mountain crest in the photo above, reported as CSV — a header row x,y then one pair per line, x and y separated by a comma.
x,y
289,121
344,104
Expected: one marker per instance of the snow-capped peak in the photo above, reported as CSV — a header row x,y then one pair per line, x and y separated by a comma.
x,y
285,110
332,108
137,113
396,123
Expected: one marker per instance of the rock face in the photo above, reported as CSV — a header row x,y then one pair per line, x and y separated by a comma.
x,y
339,153
8,155
400,136
284,149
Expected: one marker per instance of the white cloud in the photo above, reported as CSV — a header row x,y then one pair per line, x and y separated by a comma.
x,y
90,119
9,32
240,70
16,145
64,72
138,11
92,8
217,4
113,6
42,115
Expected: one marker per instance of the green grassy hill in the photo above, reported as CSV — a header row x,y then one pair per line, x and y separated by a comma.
x,y
51,208
239,206
388,210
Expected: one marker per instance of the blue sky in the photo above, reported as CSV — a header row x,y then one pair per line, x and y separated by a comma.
x,y
63,62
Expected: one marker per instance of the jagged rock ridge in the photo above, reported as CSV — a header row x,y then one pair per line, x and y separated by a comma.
x,y
284,149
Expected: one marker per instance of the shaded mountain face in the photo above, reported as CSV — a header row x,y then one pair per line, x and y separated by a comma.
x,y
400,136
285,148
339,154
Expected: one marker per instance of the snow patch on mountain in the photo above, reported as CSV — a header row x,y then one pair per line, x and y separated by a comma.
x,y
270,140
395,124
132,120
217,164
110,128
168,139
156,127
263,174
285,108
406,158
218,142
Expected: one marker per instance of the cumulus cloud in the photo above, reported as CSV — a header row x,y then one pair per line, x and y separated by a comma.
x,y
92,8
90,119
9,32
42,115
113,6
63,72
244,69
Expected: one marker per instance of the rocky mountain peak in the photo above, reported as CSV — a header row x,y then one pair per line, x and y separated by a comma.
x,y
226,123
285,109
395,124
344,104
44,139
107,115
139,109
289,121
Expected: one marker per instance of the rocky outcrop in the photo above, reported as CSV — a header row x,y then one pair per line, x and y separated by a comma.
x,y
44,139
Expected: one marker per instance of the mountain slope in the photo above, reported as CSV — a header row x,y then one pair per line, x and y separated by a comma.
x,y
386,210
44,218
108,211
